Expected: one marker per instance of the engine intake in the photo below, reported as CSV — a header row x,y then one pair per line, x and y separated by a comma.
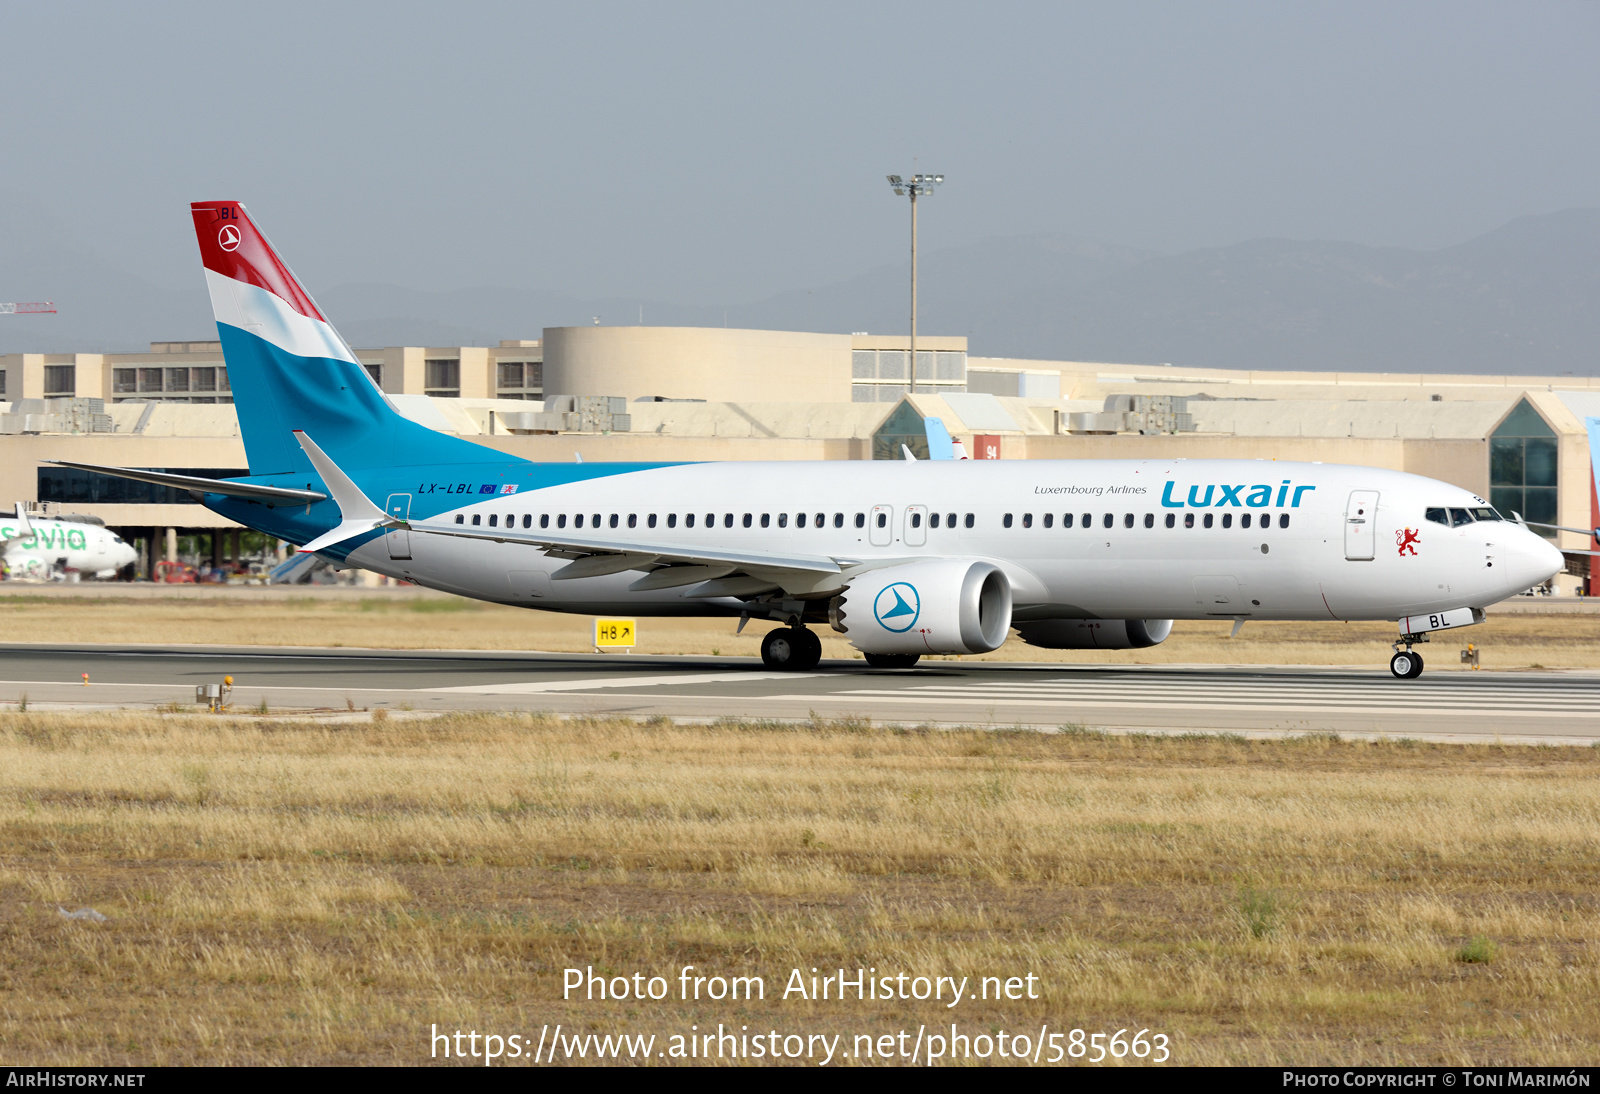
x,y
1095,634
938,606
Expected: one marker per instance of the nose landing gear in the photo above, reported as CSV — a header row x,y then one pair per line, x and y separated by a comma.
x,y
791,649
1406,664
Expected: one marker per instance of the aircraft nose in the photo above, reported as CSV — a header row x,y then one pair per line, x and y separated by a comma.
x,y
1538,558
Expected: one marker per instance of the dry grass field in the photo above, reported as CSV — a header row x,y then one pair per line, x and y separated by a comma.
x,y
278,890
440,621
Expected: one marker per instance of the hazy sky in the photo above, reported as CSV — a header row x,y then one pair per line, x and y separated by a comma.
x,y
707,153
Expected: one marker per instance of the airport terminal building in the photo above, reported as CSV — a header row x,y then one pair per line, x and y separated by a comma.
x,y
685,393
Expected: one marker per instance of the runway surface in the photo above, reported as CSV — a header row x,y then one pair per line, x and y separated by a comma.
x,y
1559,707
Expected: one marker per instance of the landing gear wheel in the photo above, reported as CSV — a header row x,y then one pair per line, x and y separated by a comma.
x,y
1407,665
791,649
892,660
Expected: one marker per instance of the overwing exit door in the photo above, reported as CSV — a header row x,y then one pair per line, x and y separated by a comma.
x,y
916,532
399,539
879,529
1360,525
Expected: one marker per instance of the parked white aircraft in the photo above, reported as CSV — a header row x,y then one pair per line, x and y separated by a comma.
x,y
42,546
904,558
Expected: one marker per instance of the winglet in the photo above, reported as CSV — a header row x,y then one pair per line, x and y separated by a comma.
x,y
357,512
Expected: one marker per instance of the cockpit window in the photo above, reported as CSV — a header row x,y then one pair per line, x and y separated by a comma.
x,y
1458,517
1485,514
1439,516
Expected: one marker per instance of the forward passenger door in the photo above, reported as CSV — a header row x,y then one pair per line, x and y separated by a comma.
x,y
1361,525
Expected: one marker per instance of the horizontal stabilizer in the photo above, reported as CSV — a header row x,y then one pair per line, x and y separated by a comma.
x,y
358,514
200,485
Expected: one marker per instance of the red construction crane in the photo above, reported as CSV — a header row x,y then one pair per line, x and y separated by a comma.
x,y
47,307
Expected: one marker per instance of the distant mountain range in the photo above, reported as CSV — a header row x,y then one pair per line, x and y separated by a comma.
x,y
1524,298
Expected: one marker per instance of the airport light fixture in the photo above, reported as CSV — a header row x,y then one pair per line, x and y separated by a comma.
x,y
914,187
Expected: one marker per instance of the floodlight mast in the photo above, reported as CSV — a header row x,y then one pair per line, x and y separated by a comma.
x,y
914,187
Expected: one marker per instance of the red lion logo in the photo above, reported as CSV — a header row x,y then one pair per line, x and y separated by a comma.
x,y
1407,540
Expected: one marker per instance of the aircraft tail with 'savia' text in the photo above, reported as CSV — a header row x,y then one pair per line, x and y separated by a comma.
x,y
290,371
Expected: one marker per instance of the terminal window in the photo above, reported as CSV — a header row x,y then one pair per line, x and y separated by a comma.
x,y
1522,467
442,377
60,380
70,485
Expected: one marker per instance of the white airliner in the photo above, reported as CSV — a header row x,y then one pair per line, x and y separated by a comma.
x,y
905,558
41,546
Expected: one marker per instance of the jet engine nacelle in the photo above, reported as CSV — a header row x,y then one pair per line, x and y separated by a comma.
x,y
938,606
1095,634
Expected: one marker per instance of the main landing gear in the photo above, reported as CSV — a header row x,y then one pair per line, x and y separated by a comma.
x,y
791,649
1406,663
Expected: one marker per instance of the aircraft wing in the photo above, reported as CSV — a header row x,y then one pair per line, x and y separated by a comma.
x,y
200,485
719,572
666,565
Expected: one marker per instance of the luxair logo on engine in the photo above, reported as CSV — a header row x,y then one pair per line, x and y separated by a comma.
x,y
897,607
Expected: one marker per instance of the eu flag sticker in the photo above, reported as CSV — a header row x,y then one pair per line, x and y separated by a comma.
x,y
486,488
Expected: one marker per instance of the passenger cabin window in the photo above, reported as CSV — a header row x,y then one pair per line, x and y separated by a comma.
x,y
544,520
672,520
461,518
861,520
766,520
1244,521
633,520
650,520
561,521
1006,520
916,520
950,520
971,519
1049,519
933,520
1066,520
1172,520
1088,521
1208,520
838,520
477,518
1188,520
822,518
1127,520
596,522
883,519
1149,520
1283,520
727,520
1227,520
1109,520
748,520
1027,520
577,521
527,520
494,520
783,520
613,520
688,520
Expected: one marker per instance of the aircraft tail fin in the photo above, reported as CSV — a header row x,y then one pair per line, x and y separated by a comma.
x,y
289,369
